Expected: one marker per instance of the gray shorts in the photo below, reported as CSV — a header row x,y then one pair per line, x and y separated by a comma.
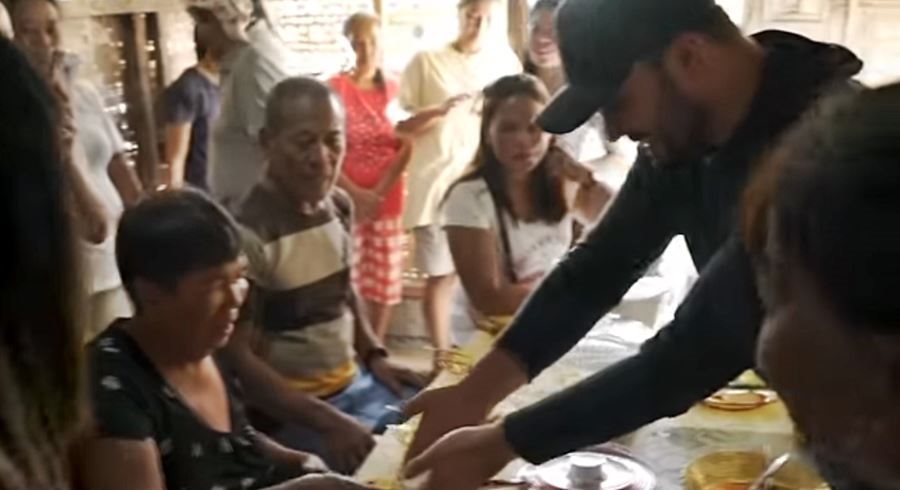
x,y
432,254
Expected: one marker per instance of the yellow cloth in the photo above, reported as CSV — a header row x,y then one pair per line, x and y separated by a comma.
x,y
326,384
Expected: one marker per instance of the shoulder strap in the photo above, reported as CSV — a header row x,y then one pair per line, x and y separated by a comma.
x,y
504,244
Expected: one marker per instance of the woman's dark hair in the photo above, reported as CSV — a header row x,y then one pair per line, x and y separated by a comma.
x,y
172,234
40,349
546,187
834,204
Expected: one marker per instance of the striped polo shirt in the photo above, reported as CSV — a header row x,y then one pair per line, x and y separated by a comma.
x,y
299,267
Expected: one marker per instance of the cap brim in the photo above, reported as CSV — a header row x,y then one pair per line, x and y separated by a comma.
x,y
571,107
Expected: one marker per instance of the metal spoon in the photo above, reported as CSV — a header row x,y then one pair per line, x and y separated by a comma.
x,y
774,467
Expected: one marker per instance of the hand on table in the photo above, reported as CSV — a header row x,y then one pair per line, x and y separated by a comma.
x,y
441,413
463,459
323,482
348,442
395,377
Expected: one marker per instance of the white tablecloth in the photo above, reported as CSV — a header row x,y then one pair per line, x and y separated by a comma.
x,y
667,446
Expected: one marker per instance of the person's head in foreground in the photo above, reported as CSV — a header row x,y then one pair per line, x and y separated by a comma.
x,y
514,151
179,255
40,362
674,74
304,141
831,342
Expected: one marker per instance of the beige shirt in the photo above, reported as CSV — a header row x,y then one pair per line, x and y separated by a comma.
x,y
235,158
442,154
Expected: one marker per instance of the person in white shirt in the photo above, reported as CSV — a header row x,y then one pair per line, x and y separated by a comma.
x,y
439,87
253,59
96,149
510,218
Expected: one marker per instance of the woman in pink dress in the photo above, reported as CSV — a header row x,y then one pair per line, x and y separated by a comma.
x,y
373,172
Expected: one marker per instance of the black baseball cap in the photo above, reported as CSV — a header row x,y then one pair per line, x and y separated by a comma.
x,y
600,40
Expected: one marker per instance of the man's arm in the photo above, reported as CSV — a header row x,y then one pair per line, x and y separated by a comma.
x,y
586,285
178,144
711,341
365,342
267,390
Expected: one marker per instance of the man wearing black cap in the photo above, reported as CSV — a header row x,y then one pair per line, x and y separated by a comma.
x,y
706,102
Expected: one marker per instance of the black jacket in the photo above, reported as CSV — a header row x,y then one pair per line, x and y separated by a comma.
x,y
713,336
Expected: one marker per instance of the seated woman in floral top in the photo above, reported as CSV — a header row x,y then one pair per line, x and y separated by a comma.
x,y
166,415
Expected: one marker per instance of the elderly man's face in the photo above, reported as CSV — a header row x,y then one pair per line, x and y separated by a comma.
x,y
841,382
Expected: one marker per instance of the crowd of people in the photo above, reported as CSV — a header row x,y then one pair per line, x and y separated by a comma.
x,y
231,328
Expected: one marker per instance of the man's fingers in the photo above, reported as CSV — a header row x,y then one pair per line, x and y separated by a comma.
x,y
418,403
419,464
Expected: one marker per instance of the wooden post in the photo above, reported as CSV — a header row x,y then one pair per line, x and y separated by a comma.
x,y
517,25
379,8
139,97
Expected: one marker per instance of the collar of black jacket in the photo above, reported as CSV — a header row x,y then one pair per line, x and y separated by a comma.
x,y
797,72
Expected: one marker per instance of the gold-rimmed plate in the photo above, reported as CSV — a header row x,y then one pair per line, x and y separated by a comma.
x,y
736,400
737,470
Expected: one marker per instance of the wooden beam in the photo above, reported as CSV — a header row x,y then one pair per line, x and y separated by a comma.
x,y
139,97
378,5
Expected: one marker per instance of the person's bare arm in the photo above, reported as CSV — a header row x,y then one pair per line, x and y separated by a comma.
x,y
178,143
125,179
421,121
264,388
590,200
292,462
397,168
477,262
366,202
426,118
87,211
269,391
364,339
114,464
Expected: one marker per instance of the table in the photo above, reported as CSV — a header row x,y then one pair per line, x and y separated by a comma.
x,y
667,445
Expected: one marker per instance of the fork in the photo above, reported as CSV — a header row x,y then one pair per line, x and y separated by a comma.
x,y
774,467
